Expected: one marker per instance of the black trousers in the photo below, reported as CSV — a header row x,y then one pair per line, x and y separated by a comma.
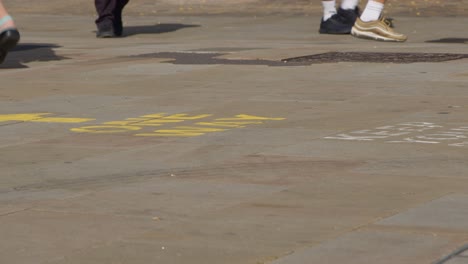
x,y
110,13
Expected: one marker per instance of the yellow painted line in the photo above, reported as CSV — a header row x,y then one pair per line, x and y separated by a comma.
x,y
161,119
21,117
175,116
157,115
186,117
62,120
99,129
40,117
152,120
229,124
250,117
119,123
182,131
137,123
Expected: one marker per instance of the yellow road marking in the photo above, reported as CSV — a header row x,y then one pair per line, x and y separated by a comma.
x,y
229,124
105,129
182,131
152,120
40,117
250,117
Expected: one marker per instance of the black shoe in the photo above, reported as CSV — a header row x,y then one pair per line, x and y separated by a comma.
x,y
335,25
8,40
110,32
105,34
349,16
106,31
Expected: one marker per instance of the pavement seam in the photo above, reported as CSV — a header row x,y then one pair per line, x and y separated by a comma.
x,y
358,228
417,230
452,255
14,212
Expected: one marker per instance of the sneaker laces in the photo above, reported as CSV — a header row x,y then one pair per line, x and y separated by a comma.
x,y
387,21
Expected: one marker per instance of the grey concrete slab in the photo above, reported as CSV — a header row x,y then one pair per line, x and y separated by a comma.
x,y
374,247
457,256
161,198
458,260
81,230
464,253
182,251
225,160
446,212
239,7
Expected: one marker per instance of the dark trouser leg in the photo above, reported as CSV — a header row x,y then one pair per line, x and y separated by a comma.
x,y
106,13
118,24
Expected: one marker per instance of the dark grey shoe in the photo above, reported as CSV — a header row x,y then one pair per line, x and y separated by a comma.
x,y
105,34
349,16
335,25
106,31
8,40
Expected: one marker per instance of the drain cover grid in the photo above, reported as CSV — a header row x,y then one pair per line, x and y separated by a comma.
x,y
377,57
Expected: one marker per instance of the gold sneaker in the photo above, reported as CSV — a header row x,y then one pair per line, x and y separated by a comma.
x,y
377,30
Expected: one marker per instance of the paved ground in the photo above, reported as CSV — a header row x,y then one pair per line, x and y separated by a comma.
x,y
234,7
189,141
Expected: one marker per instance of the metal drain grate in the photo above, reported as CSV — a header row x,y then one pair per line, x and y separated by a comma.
x,y
376,57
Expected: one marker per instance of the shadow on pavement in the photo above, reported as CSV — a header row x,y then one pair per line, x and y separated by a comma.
x,y
194,58
449,40
29,52
154,29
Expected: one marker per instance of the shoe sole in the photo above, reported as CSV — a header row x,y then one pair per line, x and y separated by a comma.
x,y
9,40
335,32
371,35
106,35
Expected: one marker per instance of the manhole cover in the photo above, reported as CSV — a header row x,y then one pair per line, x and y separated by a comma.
x,y
377,57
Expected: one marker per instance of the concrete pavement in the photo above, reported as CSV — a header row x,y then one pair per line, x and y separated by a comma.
x,y
233,7
190,141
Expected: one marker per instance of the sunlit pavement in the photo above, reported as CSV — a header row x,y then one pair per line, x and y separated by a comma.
x,y
190,141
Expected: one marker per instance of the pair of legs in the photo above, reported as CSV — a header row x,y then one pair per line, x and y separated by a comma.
x,y
9,35
370,24
109,22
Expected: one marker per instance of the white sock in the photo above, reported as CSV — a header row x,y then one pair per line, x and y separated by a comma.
x,y
349,4
372,11
6,22
329,9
